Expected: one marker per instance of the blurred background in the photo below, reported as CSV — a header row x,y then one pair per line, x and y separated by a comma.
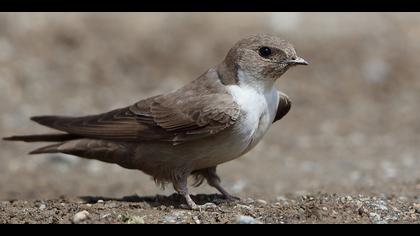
x,y
354,126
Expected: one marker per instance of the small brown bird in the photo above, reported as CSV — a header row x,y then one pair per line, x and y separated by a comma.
x,y
216,118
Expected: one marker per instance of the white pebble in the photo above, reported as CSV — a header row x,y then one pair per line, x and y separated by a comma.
x,y
136,220
260,201
209,205
80,216
196,220
281,198
170,219
42,207
105,216
241,219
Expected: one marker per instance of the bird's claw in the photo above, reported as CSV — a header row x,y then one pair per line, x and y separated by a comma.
x,y
232,198
203,207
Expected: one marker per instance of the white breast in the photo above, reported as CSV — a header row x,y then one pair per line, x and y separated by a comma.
x,y
259,106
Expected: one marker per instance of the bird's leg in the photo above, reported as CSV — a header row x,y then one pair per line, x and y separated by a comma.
x,y
214,181
181,187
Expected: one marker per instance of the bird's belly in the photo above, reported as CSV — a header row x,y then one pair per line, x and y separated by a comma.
x,y
252,135
233,143
194,155
158,159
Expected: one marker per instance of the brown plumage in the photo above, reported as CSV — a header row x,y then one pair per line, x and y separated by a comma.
x,y
184,115
189,131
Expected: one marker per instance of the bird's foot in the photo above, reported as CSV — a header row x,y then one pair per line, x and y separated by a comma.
x,y
190,202
232,198
207,206
193,206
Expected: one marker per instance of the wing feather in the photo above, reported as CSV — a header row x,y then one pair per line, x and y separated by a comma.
x,y
283,107
177,117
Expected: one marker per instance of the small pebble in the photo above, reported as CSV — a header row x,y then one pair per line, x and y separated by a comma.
x,y
179,213
100,201
281,198
261,201
243,206
209,205
170,219
241,219
106,215
403,198
80,216
42,207
249,200
196,220
395,209
88,205
380,205
277,204
111,204
416,207
136,220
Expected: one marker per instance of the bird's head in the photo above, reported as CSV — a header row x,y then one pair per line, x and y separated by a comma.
x,y
262,57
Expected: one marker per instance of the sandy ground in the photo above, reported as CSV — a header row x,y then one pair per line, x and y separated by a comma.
x,y
353,129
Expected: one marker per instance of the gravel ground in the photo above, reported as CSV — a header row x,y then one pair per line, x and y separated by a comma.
x,y
317,208
353,129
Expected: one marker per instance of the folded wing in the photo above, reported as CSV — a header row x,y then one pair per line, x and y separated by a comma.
x,y
283,107
176,118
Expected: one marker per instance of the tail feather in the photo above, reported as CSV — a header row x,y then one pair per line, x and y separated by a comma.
x,y
47,149
42,137
46,120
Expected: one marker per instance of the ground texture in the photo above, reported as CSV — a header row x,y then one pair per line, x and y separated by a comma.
x,y
318,208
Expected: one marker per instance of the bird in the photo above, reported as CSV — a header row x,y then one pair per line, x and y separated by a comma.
x,y
216,118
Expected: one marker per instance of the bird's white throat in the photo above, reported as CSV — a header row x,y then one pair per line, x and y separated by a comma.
x,y
260,85
258,102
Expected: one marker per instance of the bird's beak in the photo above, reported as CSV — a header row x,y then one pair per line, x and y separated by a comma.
x,y
298,61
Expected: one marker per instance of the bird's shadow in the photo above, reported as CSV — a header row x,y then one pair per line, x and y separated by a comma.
x,y
175,200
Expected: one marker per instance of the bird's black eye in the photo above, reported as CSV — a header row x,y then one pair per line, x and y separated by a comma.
x,y
264,51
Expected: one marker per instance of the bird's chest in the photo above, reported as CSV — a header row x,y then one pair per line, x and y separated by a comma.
x,y
258,112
